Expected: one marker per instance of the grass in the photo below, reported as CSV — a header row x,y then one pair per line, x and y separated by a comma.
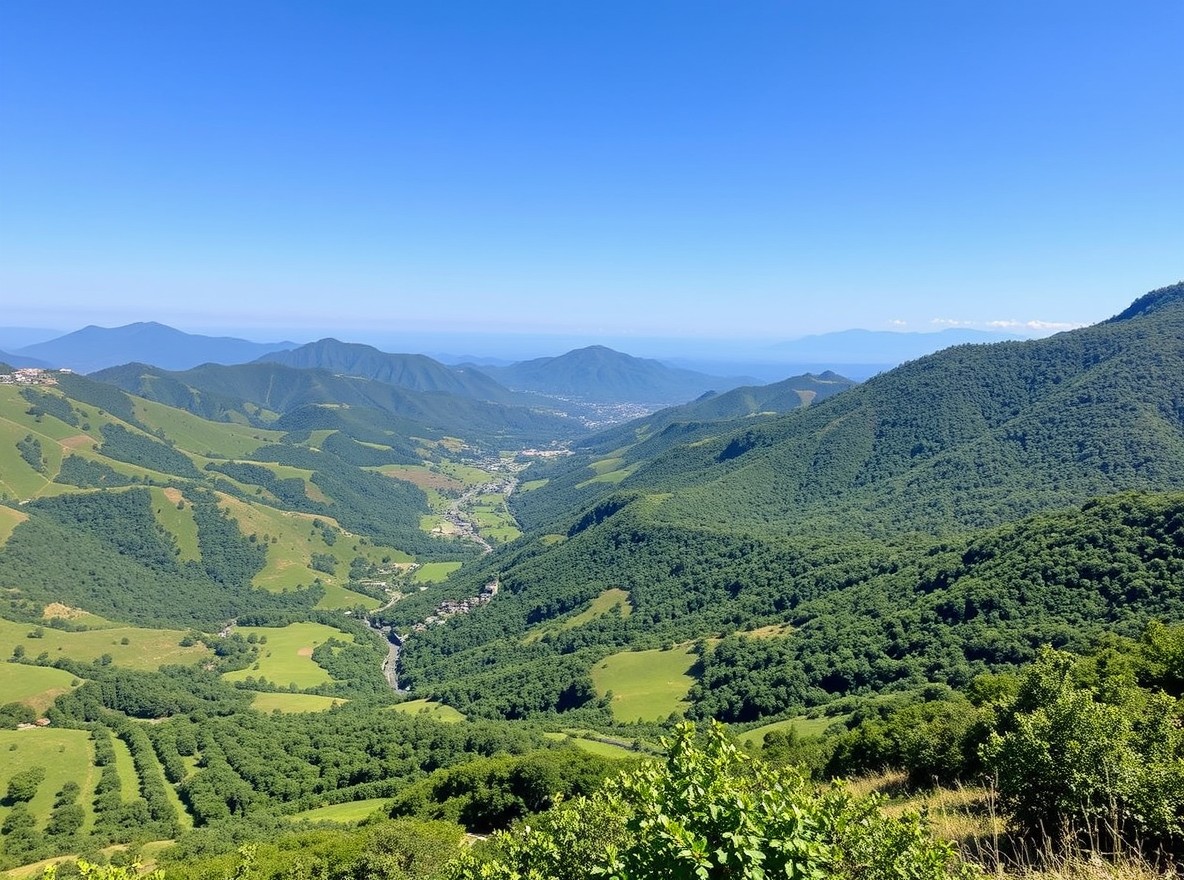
x,y
434,572
804,726
145,648
600,606
292,703
593,746
612,477
291,541
531,485
348,813
430,709
66,755
129,780
179,522
646,685
197,435
423,476
9,520
35,686
17,478
286,658
494,520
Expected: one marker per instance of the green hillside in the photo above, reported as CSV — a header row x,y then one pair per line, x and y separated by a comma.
x,y
881,499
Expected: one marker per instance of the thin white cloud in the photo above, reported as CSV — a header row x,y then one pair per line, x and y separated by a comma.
x,y
951,322
896,322
1035,326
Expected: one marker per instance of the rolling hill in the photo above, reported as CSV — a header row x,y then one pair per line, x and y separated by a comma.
x,y
259,393
416,372
885,496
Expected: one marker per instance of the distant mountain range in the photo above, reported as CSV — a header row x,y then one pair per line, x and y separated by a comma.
x,y
94,348
16,360
600,375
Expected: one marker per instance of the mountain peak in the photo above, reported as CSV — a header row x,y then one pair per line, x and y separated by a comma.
x,y
1152,302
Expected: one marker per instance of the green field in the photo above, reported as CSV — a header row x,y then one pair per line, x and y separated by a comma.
x,y
197,435
429,709
129,780
178,521
286,658
531,485
593,746
9,520
434,572
348,813
292,539
600,606
36,686
646,684
145,648
803,725
17,478
290,703
66,755
494,520
612,477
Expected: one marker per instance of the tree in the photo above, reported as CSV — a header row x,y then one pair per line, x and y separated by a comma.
x,y
22,786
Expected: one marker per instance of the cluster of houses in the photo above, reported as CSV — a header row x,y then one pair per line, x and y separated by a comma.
x,y
452,607
30,376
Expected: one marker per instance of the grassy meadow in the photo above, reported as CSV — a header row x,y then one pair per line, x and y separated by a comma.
x,y
347,813
293,703
286,658
646,685
429,709
130,646
35,686
66,755
603,604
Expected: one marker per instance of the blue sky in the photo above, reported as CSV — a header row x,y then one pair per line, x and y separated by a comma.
x,y
702,169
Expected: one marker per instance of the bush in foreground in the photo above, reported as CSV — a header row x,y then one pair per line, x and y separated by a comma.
x,y
711,811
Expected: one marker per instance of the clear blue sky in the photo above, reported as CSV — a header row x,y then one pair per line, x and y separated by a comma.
x,y
708,169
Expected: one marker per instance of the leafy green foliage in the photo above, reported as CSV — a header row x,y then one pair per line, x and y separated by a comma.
x,y
135,448
489,794
710,811
44,404
1077,760
86,473
30,449
124,565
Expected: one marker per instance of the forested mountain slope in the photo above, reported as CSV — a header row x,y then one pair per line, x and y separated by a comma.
x,y
968,437
416,372
862,521
257,393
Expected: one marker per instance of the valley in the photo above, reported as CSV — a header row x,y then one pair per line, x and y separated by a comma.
x,y
236,600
